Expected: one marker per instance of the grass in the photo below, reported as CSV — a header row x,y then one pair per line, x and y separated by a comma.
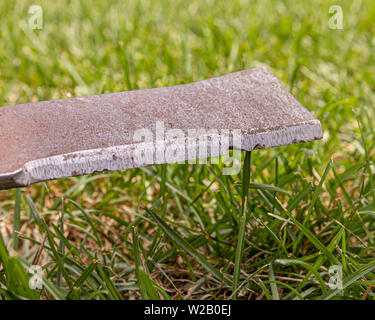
x,y
187,231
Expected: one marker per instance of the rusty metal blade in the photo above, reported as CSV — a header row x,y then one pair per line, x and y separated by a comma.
x,y
53,139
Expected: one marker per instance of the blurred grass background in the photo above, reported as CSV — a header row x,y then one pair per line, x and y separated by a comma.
x,y
176,231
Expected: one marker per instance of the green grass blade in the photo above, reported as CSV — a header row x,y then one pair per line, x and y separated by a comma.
x,y
313,239
273,284
113,292
35,215
348,281
82,278
146,284
183,244
241,230
17,219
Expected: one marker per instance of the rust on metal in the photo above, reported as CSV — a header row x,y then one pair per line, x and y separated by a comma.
x,y
53,139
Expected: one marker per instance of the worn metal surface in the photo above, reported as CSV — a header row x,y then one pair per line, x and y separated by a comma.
x,y
53,139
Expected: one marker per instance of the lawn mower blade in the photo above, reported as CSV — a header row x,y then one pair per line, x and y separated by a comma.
x,y
77,136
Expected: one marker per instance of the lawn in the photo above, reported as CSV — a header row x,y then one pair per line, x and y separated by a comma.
x,y
177,231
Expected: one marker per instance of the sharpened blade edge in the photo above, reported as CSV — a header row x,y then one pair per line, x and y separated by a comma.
x,y
122,157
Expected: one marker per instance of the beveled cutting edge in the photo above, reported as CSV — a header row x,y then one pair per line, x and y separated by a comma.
x,y
69,137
